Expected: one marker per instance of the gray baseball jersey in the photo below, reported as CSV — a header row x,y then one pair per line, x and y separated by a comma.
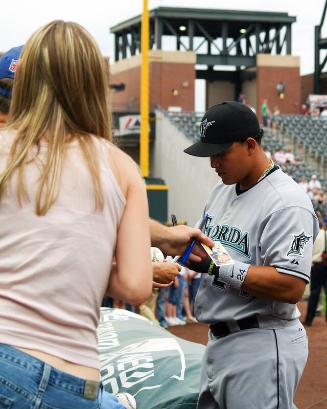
x,y
271,224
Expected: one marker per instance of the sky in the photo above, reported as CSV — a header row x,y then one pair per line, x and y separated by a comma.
x,y
20,18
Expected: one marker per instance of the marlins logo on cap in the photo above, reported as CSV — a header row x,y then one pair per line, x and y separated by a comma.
x,y
221,126
204,126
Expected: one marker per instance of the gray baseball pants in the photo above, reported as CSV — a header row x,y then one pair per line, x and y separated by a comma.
x,y
253,369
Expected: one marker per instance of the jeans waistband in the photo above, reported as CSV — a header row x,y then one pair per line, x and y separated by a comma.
x,y
62,380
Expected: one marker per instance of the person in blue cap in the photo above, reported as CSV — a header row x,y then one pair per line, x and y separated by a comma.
x,y
8,65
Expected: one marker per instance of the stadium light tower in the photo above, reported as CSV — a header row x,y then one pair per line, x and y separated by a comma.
x,y
144,136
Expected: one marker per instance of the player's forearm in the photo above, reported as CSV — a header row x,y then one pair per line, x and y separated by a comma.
x,y
259,281
267,282
159,233
174,240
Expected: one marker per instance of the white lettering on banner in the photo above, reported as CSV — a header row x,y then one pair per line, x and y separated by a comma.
x,y
129,370
135,369
108,378
108,337
136,363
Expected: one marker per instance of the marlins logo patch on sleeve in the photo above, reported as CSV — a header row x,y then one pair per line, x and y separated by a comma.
x,y
298,244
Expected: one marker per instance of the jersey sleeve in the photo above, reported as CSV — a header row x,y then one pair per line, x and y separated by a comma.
x,y
287,240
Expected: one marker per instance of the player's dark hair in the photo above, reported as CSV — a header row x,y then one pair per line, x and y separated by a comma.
x,y
5,84
257,137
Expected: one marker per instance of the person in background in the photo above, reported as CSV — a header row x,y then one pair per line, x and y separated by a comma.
x,y
274,117
305,109
289,156
189,317
69,202
175,300
161,308
8,65
194,284
280,156
241,98
323,114
265,113
314,184
318,274
303,183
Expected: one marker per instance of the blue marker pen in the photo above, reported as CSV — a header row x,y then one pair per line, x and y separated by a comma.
x,y
189,248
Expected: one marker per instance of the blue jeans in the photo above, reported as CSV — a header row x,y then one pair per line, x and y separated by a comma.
x,y
180,298
29,383
176,296
160,310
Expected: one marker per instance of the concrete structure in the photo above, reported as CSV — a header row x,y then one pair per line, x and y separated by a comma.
x,y
172,79
189,179
207,38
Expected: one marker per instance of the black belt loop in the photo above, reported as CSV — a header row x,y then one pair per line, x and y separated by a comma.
x,y
221,329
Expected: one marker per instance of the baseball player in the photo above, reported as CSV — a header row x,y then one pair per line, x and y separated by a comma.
x,y
257,347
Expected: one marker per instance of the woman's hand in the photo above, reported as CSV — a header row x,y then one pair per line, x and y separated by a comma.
x,y
164,274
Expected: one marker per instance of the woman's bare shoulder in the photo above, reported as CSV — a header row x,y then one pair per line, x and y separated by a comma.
x,y
124,168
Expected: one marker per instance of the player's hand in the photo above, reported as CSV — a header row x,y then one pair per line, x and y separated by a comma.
x,y
191,274
178,238
165,273
205,266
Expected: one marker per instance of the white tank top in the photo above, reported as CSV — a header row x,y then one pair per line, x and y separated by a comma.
x,y
54,269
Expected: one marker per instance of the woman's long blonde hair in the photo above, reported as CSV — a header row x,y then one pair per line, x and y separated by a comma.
x,y
60,93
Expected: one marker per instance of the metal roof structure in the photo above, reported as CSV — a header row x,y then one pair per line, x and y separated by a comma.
x,y
218,37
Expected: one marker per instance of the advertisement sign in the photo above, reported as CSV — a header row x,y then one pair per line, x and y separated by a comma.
x,y
129,124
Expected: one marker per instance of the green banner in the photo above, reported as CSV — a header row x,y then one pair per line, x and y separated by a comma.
x,y
160,370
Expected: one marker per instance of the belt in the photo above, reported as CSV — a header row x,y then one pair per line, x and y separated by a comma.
x,y
221,329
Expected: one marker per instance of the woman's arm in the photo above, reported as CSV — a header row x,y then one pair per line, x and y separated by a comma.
x,y
132,278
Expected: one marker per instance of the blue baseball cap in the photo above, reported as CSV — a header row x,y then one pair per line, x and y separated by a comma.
x,y
8,65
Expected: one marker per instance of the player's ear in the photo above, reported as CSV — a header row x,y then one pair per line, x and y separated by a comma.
x,y
252,144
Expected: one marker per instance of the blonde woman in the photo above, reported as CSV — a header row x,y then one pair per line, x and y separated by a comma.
x,y
69,202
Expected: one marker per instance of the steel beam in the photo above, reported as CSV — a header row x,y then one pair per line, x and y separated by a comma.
x,y
235,60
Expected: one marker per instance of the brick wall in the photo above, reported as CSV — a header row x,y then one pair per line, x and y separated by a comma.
x,y
172,81
166,77
268,78
323,84
306,87
272,69
129,99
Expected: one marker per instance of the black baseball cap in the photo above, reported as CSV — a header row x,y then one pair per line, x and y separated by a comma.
x,y
221,126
